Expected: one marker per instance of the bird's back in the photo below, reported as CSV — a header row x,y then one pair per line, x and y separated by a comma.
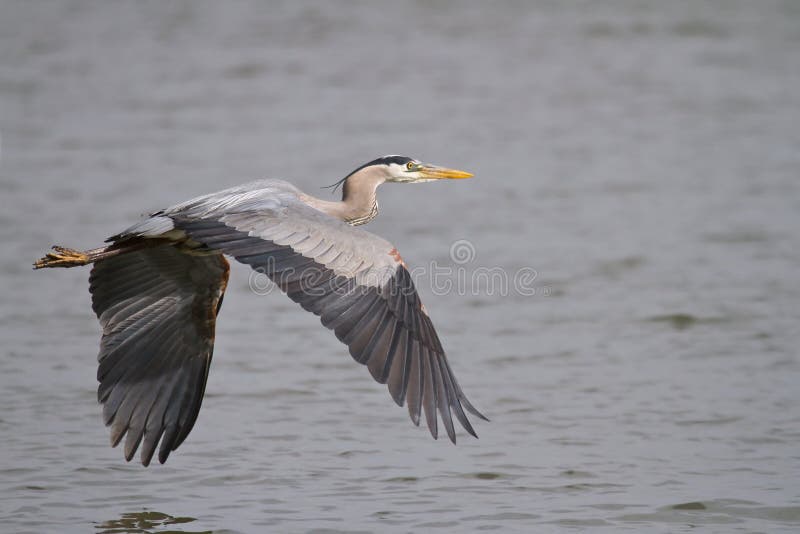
x,y
266,195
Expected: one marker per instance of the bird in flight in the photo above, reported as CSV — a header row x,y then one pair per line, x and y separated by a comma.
x,y
157,288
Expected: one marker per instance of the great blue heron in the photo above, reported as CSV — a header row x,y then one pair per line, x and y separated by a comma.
x,y
158,286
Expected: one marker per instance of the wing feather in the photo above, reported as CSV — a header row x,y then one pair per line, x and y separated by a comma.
x,y
157,307
415,382
429,391
442,397
400,368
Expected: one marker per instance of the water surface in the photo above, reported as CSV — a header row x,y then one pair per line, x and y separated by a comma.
x,y
642,159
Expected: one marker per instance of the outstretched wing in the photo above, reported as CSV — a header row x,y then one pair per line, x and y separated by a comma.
x,y
157,307
354,280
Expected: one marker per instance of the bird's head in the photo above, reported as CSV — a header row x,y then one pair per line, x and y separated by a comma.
x,y
399,169
407,170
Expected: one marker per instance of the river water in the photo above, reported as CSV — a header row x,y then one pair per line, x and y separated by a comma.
x,y
636,199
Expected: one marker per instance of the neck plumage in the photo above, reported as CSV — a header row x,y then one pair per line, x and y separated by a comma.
x,y
359,203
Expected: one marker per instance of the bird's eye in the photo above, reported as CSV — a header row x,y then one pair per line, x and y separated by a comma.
x,y
410,165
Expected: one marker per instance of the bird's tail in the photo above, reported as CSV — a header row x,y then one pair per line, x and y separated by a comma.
x,y
67,257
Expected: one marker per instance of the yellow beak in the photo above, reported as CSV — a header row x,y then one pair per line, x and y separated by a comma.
x,y
433,172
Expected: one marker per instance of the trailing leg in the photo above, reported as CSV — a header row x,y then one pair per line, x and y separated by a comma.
x,y
67,257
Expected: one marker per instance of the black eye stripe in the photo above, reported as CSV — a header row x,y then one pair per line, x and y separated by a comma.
x,y
385,160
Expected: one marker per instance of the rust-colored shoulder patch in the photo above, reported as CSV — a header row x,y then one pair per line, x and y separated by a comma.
x,y
226,272
397,257
208,300
219,291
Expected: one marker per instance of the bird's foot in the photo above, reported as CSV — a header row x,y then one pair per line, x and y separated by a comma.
x,y
62,257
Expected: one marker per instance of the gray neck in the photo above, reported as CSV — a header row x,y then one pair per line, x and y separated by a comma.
x,y
359,203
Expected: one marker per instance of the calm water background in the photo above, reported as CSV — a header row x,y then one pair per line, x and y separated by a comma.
x,y
643,158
